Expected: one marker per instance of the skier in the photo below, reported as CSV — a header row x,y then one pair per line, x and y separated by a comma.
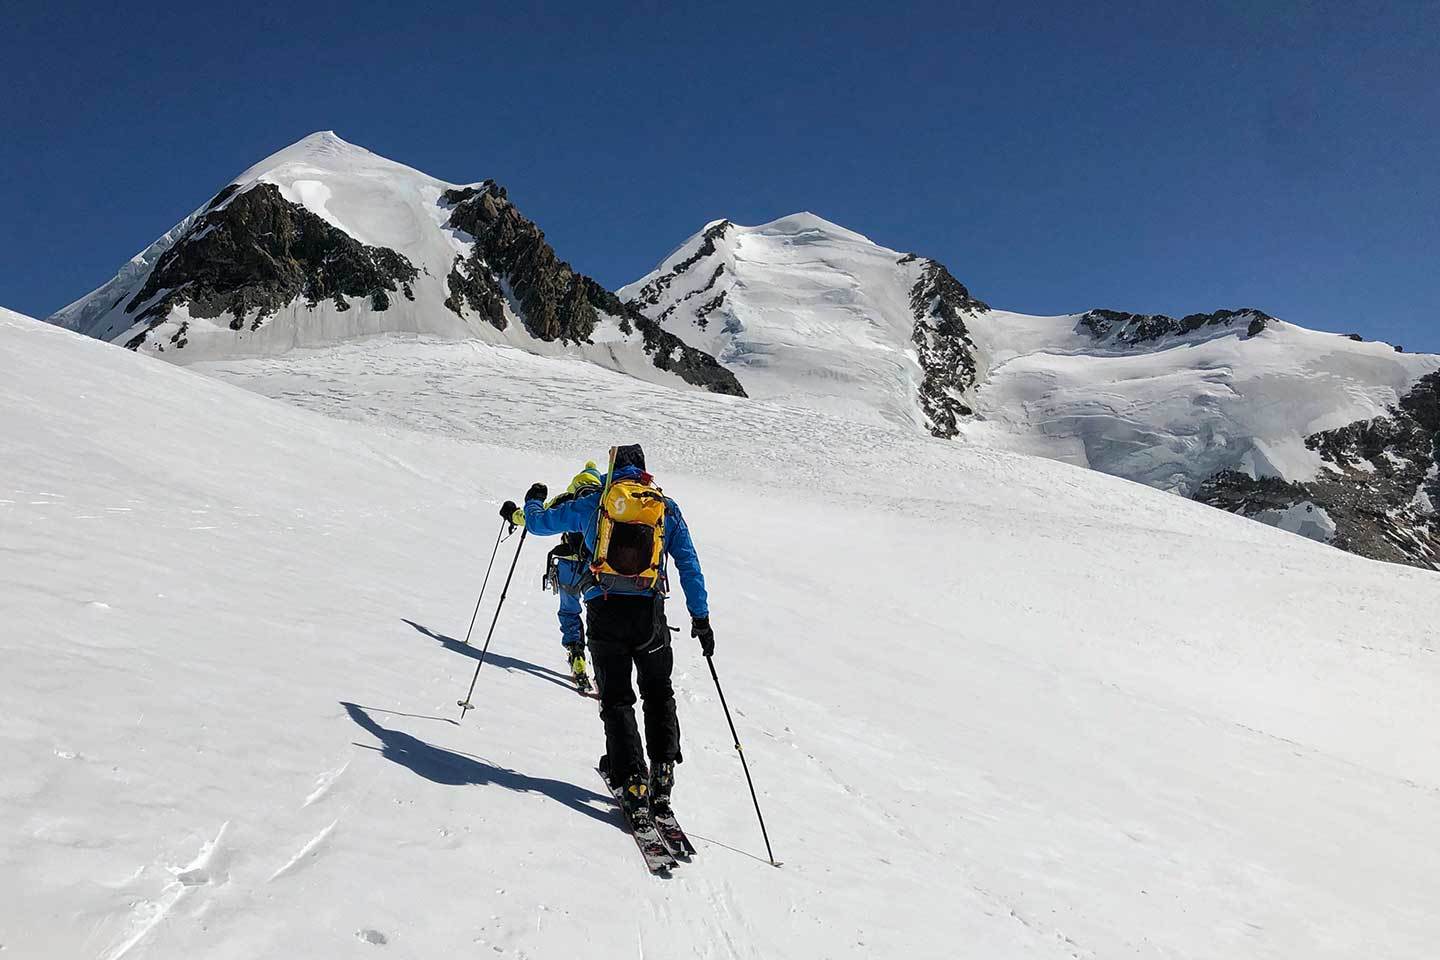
x,y
629,528
564,572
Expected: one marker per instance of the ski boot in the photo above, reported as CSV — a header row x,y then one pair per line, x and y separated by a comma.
x,y
662,781
575,654
635,798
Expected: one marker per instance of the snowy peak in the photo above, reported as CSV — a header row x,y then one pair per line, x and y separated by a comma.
x,y
324,241
805,227
812,312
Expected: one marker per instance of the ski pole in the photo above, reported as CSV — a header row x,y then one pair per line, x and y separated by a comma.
x,y
745,766
498,537
465,704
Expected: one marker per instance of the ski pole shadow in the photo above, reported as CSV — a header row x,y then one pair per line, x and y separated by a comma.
x,y
744,853
495,659
414,716
451,768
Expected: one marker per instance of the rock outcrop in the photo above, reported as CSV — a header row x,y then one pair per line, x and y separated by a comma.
x,y
1380,485
252,253
940,303
553,300
1134,329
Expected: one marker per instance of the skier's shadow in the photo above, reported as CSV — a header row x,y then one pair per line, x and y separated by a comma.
x,y
458,769
495,659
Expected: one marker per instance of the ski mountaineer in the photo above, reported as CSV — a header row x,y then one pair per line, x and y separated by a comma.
x,y
564,570
630,527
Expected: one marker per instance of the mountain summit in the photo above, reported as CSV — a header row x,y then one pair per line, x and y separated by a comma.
x,y
325,241
808,311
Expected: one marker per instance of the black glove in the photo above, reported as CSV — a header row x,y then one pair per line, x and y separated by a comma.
x,y
537,491
700,629
507,511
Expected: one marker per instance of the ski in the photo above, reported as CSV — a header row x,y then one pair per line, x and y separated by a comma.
x,y
674,837
648,839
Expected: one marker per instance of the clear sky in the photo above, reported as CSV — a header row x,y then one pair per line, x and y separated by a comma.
x,y
1056,156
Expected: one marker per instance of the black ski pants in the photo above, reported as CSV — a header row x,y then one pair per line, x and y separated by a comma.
x,y
629,632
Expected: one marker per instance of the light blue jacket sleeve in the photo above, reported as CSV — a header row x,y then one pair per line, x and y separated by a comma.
x,y
571,516
687,562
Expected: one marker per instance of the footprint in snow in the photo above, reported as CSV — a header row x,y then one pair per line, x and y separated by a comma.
x,y
372,936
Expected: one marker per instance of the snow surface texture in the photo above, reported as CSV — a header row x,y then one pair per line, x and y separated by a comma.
x,y
383,205
811,313
1174,413
994,705
802,309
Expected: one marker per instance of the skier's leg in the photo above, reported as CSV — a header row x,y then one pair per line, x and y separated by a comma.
x,y
572,635
572,628
653,666
611,657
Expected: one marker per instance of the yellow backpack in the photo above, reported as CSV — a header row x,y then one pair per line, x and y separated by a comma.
x,y
630,538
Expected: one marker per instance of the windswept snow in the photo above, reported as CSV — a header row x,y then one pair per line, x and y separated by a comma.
x,y
994,705
812,313
1174,416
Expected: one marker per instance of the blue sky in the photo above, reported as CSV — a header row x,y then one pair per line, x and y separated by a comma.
x,y
1056,157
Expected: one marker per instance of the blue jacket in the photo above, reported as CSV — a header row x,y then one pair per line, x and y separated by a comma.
x,y
582,514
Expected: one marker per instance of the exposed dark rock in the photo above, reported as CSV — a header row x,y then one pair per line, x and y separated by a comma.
x,y
650,294
476,289
1131,329
1355,336
667,351
705,309
1378,488
939,303
222,196
555,302
550,294
702,313
258,253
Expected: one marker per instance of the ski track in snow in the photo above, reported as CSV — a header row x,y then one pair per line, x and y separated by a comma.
x,y
146,915
307,850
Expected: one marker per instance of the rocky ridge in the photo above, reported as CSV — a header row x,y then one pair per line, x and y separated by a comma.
x,y
1380,486
253,252
946,353
1134,329
555,302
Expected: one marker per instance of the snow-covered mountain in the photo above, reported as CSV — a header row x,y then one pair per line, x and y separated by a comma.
x,y
1321,434
325,241
807,311
232,647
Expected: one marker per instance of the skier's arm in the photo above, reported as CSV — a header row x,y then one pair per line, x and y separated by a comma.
x,y
571,515
687,562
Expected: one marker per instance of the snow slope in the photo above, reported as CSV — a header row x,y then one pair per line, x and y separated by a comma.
x,y
803,309
814,314
395,250
995,706
1172,413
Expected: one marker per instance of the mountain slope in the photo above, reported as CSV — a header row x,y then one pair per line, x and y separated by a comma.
x,y
1233,407
1237,409
232,655
812,313
325,241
